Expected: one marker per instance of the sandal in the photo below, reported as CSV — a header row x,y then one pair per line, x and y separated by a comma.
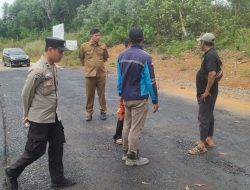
x,y
198,142
208,143
118,141
197,150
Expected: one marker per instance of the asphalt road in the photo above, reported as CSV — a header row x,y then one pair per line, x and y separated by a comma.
x,y
94,161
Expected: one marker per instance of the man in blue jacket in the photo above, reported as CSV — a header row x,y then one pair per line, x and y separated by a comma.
x,y
136,81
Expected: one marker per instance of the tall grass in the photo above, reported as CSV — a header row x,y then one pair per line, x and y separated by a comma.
x,y
70,59
34,49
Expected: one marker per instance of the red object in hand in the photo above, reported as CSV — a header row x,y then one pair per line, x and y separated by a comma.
x,y
121,110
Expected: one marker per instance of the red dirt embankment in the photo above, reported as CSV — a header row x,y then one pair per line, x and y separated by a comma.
x,y
176,75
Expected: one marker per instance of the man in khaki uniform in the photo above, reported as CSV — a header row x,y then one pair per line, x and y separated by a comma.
x,y
93,55
40,107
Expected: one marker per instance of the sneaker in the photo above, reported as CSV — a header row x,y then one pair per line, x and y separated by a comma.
x,y
88,117
11,182
63,183
124,156
134,159
103,116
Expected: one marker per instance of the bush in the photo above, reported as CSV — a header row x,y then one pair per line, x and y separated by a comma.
x,y
176,47
114,36
149,34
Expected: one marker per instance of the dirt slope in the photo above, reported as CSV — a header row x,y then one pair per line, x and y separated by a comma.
x,y
176,75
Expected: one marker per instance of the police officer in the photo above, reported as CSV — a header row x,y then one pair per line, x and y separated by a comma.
x,y
93,55
40,101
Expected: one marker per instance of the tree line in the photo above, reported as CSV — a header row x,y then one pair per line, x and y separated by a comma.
x,y
163,21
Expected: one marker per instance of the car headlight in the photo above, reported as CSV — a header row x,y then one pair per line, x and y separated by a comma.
x,y
27,57
12,58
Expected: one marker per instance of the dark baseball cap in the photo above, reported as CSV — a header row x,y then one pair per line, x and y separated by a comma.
x,y
136,34
56,43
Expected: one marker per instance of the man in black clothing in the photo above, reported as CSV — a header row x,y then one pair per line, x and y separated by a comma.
x,y
207,91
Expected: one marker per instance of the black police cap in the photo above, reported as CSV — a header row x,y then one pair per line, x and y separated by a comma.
x,y
56,43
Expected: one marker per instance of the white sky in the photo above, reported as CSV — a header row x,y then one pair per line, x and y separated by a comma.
x,y
1,5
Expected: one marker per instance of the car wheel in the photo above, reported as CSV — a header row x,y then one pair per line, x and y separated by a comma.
x,y
28,65
4,64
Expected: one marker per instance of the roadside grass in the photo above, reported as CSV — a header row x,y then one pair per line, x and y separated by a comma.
x,y
245,73
70,59
5,43
34,49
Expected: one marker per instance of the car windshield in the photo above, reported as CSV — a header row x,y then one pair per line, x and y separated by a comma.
x,y
16,52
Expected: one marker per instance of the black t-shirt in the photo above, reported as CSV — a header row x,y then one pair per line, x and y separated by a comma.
x,y
211,62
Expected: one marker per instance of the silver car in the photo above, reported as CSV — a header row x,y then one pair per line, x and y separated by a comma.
x,y
15,57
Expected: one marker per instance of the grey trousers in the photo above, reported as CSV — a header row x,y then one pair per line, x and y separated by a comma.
x,y
206,116
135,116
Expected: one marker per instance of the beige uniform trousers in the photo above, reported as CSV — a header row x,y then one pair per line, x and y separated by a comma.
x,y
135,116
93,83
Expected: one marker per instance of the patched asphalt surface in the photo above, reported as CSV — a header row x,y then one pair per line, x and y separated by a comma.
x,y
94,161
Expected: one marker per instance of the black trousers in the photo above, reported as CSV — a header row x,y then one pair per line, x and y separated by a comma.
x,y
38,136
206,116
119,127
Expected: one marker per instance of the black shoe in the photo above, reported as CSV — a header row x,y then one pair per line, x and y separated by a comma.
x,y
63,183
11,182
103,116
89,118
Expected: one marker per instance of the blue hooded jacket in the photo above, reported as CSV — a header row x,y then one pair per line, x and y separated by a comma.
x,y
136,78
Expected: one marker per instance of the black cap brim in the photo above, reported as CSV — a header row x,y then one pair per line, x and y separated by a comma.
x,y
63,48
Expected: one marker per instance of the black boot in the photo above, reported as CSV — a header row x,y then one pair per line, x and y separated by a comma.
x,y
64,182
103,115
11,182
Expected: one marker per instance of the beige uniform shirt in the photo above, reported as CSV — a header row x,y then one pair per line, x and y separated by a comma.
x,y
39,94
93,56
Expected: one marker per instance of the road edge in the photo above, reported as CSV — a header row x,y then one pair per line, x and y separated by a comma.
x,y
3,148
223,101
